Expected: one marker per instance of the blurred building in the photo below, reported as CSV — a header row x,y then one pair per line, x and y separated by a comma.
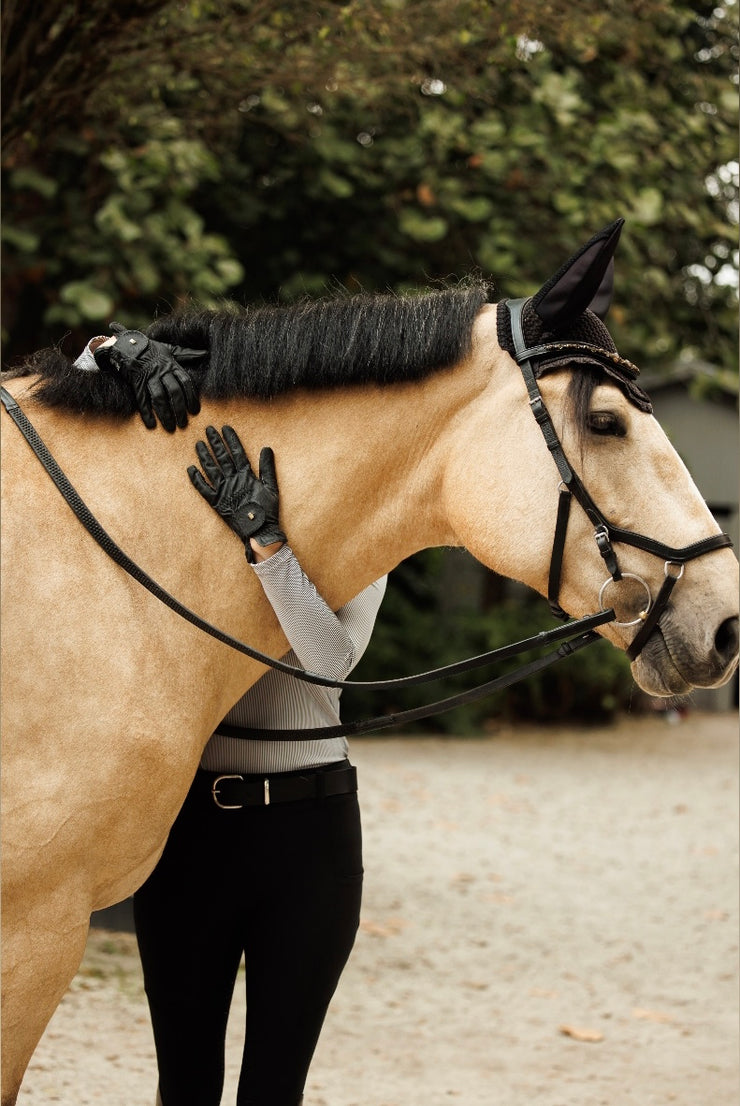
x,y
697,406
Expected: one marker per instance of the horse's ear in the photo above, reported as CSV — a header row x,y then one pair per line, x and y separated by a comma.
x,y
602,300
586,280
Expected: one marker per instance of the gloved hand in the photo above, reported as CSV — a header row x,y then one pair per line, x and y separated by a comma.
x,y
158,374
248,503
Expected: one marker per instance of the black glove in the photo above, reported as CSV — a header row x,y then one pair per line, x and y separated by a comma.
x,y
247,502
157,373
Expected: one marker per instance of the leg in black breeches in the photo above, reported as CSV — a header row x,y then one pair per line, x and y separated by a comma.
x,y
300,933
190,942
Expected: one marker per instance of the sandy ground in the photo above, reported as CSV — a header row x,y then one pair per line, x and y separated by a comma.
x,y
550,917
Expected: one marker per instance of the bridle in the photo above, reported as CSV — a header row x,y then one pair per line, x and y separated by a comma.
x,y
571,487
573,636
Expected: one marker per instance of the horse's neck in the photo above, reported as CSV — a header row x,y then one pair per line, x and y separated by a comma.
x,y
358,471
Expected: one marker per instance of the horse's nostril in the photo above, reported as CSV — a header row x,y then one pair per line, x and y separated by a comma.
x,y
726,639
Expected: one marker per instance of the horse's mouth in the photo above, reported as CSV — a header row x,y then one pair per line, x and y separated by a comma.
x,y
655,670
665,667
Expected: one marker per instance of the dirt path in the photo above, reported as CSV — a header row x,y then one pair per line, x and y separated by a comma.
x,y
550,917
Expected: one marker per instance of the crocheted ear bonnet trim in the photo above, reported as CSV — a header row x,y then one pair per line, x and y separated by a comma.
x,y
584,341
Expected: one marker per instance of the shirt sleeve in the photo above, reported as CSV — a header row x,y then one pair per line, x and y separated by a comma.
x,y
86,361
325,642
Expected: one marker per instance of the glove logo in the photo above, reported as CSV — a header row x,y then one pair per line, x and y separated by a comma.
x,y
248,502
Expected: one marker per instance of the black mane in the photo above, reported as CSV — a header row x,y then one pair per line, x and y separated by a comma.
x,y
262,352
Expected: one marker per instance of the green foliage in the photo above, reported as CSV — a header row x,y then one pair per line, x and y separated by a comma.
x,y
416,632
141,238
257,150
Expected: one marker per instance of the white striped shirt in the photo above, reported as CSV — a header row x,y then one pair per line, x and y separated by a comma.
x,y
321,641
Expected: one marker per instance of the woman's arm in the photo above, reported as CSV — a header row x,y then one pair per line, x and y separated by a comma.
x,y
324,642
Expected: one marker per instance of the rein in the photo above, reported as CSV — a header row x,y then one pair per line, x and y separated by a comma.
x,y
573,636
581,631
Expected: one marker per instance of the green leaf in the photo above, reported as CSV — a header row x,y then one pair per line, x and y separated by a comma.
x,y
473,208
25,241
89,301
421,228
230,271
112,220
336,185
648,206
31,180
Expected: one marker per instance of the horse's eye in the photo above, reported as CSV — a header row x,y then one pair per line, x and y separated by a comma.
x,y
606,422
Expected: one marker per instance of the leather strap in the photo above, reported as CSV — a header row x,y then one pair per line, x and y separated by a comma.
x,y
653,617
402,718
106,542
565,499
232,791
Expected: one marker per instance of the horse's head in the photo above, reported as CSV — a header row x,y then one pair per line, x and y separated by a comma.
x,y
600,510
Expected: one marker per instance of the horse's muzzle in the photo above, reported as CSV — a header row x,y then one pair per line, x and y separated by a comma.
x,y
669,665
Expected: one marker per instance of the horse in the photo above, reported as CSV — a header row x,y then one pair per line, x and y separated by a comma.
x,y
397,423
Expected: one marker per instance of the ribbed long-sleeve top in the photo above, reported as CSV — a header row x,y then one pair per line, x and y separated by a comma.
x,y
321,641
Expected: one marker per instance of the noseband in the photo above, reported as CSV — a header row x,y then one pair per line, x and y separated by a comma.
x,y
571,487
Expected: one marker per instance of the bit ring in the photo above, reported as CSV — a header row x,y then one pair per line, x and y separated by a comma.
x,y
627,576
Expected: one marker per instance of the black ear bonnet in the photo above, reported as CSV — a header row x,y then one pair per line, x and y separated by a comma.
x,y
559,318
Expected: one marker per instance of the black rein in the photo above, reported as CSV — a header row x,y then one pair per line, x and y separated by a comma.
x,y
573,636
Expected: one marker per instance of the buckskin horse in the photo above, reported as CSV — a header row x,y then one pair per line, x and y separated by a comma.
x,y
398,422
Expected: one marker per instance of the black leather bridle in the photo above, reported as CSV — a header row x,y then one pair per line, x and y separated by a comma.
x,y
573,636
571,487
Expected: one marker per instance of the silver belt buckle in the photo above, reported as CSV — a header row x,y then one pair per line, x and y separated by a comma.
x,y
214,792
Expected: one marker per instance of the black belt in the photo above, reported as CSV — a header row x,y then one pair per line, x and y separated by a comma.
x,y
232,791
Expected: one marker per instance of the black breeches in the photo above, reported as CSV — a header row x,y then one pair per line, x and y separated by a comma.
x,y
281,884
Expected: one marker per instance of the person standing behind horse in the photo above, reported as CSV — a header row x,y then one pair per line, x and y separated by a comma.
x,y
265,857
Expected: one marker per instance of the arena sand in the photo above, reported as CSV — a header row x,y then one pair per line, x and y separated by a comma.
x,y
550,917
